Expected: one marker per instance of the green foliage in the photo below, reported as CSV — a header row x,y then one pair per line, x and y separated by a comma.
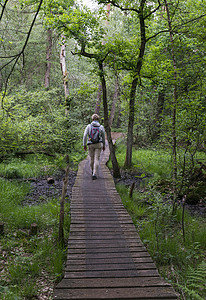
x,y
28,258
162,234
156,167
151,210
8,136
30,166
195,278
79,24
39,124
133,205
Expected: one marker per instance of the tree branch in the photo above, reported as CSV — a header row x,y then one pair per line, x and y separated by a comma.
x,y
90,55
22,51
190,21
120,7
3,8
154,10
156,34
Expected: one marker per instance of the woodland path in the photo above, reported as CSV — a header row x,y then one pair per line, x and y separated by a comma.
x,y
106,258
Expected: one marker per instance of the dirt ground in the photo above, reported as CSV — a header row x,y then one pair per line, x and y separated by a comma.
x,y
41,190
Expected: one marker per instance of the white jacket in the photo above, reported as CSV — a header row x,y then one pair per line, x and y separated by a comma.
x,y
87,132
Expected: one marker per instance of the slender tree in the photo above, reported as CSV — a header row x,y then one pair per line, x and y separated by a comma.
x,y
48,59
100,61
13,59
174,106
98,102
141,11
3,7
115,99
64,73
116,171
85,28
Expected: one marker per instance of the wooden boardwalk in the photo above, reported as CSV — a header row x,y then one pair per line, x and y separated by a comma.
x,y
106,258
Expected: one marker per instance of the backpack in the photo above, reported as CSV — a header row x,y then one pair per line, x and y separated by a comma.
x,y
94,135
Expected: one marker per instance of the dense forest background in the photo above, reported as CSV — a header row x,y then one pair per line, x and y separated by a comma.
x,y
164,57
139,64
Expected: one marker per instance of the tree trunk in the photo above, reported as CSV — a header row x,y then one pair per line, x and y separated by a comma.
x,y
64,74
116,171
61,215
174,109
116,97
48,59
118,123
128,159
158,115
1,228
99,94
33,229
1,82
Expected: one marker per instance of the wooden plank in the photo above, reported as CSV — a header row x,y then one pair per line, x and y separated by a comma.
x,y
106,258
116,293
104,236
99,219
108,223
106,239
106,209
114,260
103,255
104,243
114,282
111,273
115,248
119,226
103,231
79,208
110,266
92,244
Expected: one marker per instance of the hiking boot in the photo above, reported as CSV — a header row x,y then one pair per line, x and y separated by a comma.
x,y
94,177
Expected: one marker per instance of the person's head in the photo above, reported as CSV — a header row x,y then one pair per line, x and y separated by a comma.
x,y
95,117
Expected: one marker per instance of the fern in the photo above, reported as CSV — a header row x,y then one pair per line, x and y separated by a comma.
x,y
196,283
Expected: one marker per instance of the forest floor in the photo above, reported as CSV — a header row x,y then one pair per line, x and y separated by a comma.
x,y
41,190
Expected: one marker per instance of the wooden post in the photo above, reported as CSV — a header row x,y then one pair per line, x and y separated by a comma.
x,y
183,216
33,229
131,190
1,228
61,216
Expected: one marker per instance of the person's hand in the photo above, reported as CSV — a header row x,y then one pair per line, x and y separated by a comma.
x,y
103,148
85,148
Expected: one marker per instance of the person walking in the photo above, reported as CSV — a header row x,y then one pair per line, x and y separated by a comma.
x,y
95,142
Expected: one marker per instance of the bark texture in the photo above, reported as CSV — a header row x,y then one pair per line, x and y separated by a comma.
x,y
174,107
48,59
128,159
64,74
116,171
62,201
115,99
98,103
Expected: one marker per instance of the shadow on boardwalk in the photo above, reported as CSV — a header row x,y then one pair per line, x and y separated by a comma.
x,y
106,258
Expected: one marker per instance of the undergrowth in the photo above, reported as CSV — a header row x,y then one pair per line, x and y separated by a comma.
x,y
29,263
181,262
